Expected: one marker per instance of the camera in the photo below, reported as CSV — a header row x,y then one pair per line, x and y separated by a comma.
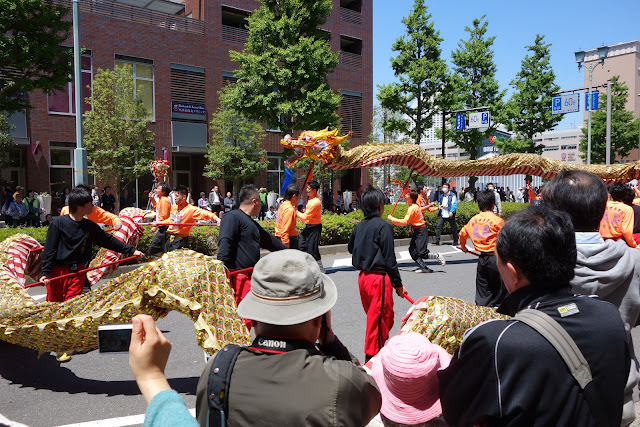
x,y
114,338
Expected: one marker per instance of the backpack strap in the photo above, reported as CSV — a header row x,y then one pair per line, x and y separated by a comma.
x,y
566,347
218,384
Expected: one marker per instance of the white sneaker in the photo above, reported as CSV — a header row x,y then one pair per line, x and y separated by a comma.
x,y
441,259
425,270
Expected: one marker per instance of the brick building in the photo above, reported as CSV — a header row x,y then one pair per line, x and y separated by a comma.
x,y
180,60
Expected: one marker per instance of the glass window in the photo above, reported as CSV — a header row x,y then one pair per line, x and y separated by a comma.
x,y
63,102
275,174
142,74
60,157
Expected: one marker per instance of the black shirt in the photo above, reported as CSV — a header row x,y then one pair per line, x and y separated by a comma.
x,y
371,244
636,219
69,242
240,240
109,202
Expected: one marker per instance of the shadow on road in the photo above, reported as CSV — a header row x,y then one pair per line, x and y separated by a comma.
x,y
22,366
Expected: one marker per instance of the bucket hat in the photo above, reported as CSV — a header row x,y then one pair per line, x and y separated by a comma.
x,y
288,288
406,373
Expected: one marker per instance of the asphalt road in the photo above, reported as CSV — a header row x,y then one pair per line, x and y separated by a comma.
x,y
96,389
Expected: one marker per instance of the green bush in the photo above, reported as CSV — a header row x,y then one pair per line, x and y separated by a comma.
x,y
336,229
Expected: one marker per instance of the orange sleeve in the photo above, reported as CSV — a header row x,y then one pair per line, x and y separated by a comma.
x,y
627,229
200,214
65,210
412,217
164,208
463,234
100,216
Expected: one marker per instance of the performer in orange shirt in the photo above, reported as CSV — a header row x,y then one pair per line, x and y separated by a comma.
x,y
422,202
286,218
617,222
163,211
483,230
419,234
97,215
310,237
182,212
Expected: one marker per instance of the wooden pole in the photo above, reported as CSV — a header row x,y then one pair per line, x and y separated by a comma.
x,y
401,192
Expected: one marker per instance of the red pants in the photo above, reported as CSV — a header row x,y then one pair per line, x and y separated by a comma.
x,y
241,284
377,300
64,289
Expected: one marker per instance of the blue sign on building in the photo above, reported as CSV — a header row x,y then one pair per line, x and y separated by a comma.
x,y
183,110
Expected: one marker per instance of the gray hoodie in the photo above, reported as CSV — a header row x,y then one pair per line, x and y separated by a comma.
x,y
611,270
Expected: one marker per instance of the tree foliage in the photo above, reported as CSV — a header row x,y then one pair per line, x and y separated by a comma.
x,y
624,129
422,76
119,144
234,153
31,56
528,111
282,71
475,83
7,146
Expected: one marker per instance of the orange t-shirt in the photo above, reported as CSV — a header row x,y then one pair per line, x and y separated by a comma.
x,y
97,215
414,217
313,213
187,214
617,222
483,230
163,208
286,222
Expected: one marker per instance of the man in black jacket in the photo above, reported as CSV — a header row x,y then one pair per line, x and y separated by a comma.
x,y
241,238
506,373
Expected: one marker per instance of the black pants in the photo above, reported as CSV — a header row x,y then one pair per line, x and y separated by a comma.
x,y
263,212
490,290
310,240
293,242
418,245
165,242
452,223
216,209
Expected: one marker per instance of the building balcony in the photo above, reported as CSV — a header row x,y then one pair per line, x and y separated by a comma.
x,y
234,34
351,16
351,59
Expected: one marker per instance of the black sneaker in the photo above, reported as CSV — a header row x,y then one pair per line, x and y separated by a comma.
x,y
436,243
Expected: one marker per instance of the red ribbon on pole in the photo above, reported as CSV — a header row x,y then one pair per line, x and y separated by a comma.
x,y
401,192
64,276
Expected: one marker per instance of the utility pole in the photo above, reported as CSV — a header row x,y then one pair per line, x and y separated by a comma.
x,y
608,155
80,153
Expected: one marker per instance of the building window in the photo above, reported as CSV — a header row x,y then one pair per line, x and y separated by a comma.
x,y
188,84
63,101
234,24
551,148
228,78
569,137
350,51
60,167
275,173
142,75
350,11
182,170
569,147
351,112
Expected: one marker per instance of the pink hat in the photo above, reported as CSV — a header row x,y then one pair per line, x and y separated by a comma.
x,y
405,371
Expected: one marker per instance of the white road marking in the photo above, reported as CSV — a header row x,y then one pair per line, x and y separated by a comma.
x,y
342,263
38,297
118,422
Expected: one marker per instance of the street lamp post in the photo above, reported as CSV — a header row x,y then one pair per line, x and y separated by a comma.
x,y
80,153
602,54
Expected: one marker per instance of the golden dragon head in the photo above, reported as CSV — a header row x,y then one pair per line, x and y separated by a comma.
x,y
315,145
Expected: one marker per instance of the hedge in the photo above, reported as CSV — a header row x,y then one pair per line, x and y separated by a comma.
x,y
335,228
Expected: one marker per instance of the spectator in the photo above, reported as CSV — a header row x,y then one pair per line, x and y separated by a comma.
x,y
190,200
95,195
271,214
65,196
33,208
18,211
607,268
497,209
406,373
284,378
215,200
340,202
203,202
108,200
229,202
263,202
507,373
447,211
125,199
47,220
520,196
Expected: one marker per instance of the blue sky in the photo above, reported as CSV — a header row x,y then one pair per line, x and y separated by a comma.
x,y
569,25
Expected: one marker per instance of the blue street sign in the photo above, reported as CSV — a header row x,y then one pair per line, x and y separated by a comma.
x,y
594,99
556,105
485,118
569,103
591,100
460,121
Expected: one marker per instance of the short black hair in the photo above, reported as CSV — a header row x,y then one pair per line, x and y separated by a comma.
x,y
292,190
621,193
164,187
182,189
107,187
370,202
315,185
542,243
414,196
84,187
486,200
580,194
446,183
247,193
78,197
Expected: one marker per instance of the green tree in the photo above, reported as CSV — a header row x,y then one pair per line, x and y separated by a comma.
x,y
475,83
282,71
528,111
234,153
119,144
624,129
31,56
421,73
7,146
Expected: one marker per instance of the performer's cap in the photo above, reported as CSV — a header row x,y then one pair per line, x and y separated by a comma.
x,y
288,288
